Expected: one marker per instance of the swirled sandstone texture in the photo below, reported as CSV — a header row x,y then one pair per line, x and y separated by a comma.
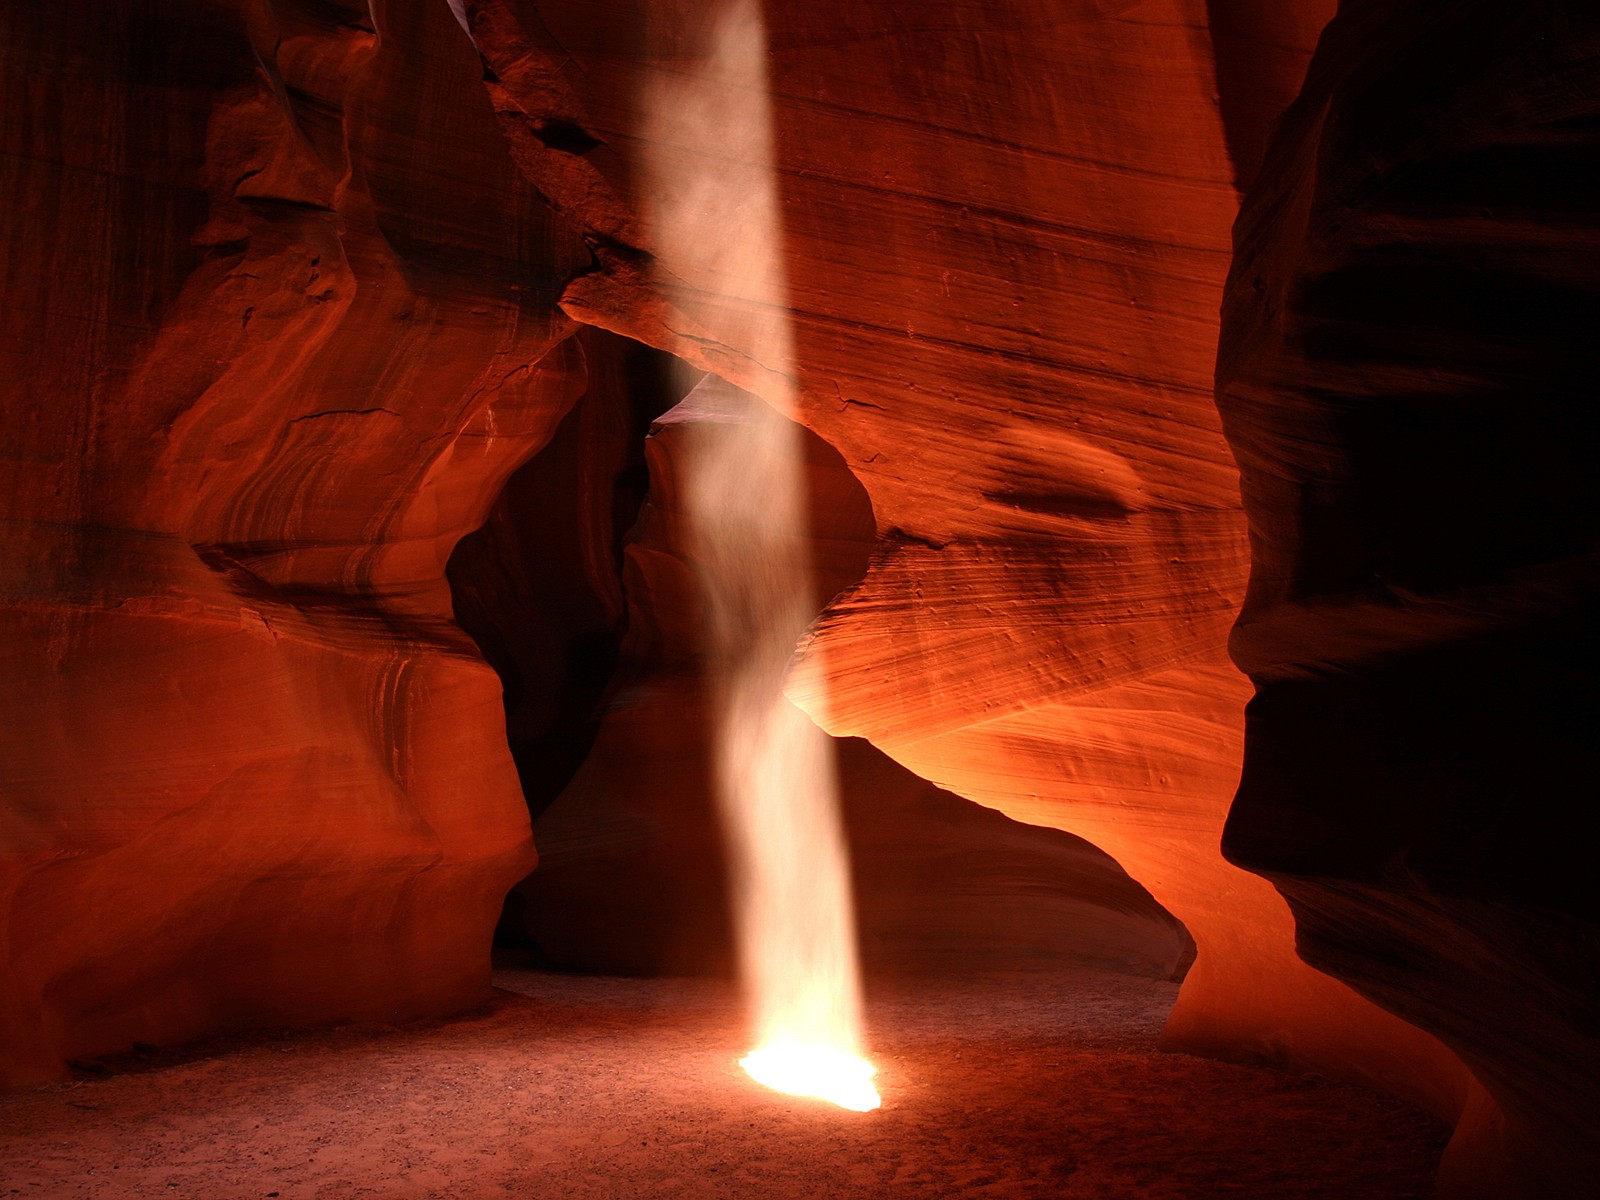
x,y
1407,375
1004,235
280,303
279,320
540,586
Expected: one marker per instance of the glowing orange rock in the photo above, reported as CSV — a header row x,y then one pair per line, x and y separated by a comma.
x,y
632,877
274,337
1006,235
280,318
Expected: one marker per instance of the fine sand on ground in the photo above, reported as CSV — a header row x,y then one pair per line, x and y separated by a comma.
x,y
570,1087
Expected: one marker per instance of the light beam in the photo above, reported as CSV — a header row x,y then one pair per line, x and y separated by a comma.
x,y
716,221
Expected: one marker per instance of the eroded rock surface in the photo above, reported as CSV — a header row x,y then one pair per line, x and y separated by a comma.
x,y
279,321
1407,375
633,876
1005,232
289,290
540,587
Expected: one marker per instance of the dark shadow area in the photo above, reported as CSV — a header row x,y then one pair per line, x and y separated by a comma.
x,y
1261,49
539,587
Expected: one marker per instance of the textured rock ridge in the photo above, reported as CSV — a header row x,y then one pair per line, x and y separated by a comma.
x,y
291,287
1407,377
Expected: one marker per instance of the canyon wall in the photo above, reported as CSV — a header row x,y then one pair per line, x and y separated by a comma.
x,y
1005,233
279,320
1407,377
633,874
291,289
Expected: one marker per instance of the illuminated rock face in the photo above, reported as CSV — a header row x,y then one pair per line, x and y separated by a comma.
x,y
1407,376
282,314
1004,275
632,875
279,322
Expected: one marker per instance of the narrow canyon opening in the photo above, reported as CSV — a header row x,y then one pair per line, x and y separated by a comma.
x,y
608,717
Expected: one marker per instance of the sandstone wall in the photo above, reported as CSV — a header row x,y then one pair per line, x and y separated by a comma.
x,y
1005,232
279,321
1407,377
289,289
632,875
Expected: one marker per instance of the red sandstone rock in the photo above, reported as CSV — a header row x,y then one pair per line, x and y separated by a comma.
x,y
1005,235
540,586
278,324
632,877
280,319
632,881
1407,375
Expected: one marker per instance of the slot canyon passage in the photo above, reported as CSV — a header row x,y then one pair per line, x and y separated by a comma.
x,y
1193,406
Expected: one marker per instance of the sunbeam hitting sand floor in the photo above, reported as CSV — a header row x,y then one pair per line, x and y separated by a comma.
x,y
1021,1086
716,212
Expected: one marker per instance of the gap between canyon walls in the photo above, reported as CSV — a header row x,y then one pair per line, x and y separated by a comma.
x,y
540,587
317,323
584,591
1003,292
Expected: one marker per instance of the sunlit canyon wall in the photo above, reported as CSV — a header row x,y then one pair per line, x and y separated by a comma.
x,y
633,873
290,290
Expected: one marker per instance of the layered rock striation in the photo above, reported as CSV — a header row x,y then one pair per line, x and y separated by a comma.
x,y
633,873
1004,235
279,321
291,288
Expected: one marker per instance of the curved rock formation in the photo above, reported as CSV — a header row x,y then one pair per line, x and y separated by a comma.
x,y
540,586
279,321
289,291
1407,376
632,876
1005,238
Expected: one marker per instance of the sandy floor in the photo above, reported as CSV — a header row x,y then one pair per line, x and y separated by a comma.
x,y
570,1088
